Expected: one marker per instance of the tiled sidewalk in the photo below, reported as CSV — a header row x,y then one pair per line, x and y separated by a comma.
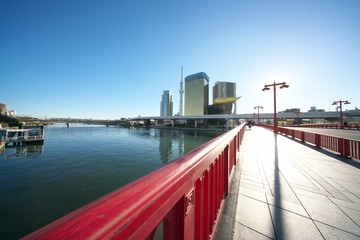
x,y
283,189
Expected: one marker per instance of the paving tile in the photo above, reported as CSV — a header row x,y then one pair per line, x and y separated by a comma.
x,y
351,186
353,204
353,214
328,213
313,193
255,215
292,226
244,232
260,196
334,183
284,192
332,233
335,193
254,183
286,205
255,188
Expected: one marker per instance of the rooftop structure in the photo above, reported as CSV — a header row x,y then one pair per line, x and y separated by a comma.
x,y
198,75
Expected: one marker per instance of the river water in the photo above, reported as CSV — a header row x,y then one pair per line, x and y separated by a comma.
x,y
76,165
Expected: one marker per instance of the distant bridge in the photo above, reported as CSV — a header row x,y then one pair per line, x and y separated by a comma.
x,y
304,115
88,121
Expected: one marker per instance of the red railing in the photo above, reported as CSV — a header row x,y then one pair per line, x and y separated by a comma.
x,y
330,125
181,200
346,147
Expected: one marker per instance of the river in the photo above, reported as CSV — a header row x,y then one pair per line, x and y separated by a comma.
x,y
76,165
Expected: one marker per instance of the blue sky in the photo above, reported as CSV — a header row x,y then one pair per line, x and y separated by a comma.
x,y
113,59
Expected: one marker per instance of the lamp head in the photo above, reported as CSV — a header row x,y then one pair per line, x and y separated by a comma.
x,y
346,102
266,88
284,86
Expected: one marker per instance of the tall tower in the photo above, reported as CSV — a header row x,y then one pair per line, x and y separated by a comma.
x,y
181,91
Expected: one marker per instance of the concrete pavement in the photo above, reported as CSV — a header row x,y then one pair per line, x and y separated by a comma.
x,y
283,189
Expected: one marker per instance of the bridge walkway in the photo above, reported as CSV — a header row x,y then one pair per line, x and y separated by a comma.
x,y
283,189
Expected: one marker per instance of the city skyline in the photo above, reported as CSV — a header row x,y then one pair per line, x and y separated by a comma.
x,y
111,60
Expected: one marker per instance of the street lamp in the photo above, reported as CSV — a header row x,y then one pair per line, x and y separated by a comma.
x,y
258,115
267,87
341,117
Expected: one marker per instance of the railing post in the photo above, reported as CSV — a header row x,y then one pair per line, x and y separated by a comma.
x,y
341,146
317,140
199,208
346,147
189,215
226,171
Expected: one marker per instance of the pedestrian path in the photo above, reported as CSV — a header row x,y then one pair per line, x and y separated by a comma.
x,y
283,189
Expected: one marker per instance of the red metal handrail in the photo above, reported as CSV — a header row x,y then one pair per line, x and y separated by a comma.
x,y
330,125
184,196
346,147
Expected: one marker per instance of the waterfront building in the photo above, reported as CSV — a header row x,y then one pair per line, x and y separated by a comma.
x,y
3,109
166,104
196,94
225,90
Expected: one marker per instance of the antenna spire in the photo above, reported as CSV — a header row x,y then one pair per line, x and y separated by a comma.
x,y
181,91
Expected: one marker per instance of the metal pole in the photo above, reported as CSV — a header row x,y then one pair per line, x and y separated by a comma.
x,y
275,119
341,121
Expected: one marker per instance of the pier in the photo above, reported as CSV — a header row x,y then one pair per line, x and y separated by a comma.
x,y
19,137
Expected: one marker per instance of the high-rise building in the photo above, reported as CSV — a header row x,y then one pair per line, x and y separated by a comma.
x,y
196,94
222,90
3,109
166,104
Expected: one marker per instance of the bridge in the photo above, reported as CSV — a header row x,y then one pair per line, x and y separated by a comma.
x,y
228,118
243,184
304,115
86,121
333,115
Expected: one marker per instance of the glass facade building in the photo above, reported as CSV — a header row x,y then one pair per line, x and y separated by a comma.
x,y
196,94
225,90
166,104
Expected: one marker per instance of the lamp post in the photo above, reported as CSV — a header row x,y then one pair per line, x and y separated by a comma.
x,y
258,115
341,117
267,87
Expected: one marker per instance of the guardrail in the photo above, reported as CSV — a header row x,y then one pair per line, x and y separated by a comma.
x,y
330,125
181,200
346,147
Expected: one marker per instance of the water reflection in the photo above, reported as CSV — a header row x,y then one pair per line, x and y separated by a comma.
x,y
30,151
173,143
165,145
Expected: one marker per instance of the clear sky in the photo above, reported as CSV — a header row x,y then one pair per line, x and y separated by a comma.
x,y
113,59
